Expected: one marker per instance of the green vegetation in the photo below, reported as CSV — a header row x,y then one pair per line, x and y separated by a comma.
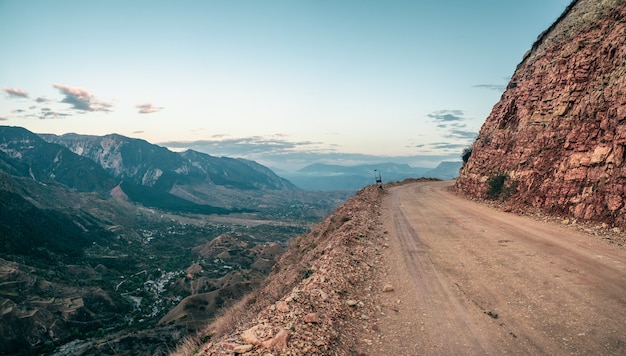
x,y
500,186
467,153
162,200
126,279
46,235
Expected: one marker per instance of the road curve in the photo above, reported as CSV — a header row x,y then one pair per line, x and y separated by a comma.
x,y
471,280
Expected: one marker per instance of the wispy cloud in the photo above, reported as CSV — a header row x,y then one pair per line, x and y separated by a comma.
x,y
279,152
453,128
15,93
497,87
82,99
47,114
447,146
245,146
43,99
148,108
4,118
462,134
447,115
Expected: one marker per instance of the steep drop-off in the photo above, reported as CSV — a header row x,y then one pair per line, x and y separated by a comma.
x,y
557,138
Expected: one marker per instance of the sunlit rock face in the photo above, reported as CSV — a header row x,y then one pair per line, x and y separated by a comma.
x,y
558,134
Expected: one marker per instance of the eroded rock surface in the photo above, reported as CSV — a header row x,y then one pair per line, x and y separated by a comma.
x,y
557,137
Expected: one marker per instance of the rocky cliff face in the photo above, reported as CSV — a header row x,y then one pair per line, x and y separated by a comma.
x,y
557,138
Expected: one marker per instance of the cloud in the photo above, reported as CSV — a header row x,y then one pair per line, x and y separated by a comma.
x,y
148,108
453,128
82,99
278,152
15,93
497,87
42,99
447,146
246,146
462,134
447,115
47,114
4,118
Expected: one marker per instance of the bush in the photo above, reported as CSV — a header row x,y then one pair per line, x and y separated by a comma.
x,y
500,186
495,185
467,152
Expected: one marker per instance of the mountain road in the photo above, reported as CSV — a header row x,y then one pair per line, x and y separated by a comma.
x,y
470,279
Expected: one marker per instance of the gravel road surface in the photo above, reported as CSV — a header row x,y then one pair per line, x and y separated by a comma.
x,y
471,280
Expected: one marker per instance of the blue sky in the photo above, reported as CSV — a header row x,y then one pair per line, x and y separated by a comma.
x,y
286,83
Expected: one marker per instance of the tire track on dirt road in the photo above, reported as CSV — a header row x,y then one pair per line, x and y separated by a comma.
x,y
472,280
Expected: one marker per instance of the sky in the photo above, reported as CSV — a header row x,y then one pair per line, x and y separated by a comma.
x,y
284,83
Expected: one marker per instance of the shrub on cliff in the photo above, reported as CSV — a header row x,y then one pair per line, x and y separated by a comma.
x,y
500,186
467,152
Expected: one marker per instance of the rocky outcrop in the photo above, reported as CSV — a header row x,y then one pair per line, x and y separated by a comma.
x,y
557,138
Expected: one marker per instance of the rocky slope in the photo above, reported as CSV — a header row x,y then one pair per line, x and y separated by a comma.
x,y
557,138
320,289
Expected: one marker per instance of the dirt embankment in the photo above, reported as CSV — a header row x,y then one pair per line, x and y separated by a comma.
x,y
318,294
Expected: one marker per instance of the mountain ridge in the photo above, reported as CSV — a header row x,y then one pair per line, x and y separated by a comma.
x,y
148,164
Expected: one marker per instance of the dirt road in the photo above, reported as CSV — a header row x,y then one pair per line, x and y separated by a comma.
x,y
471,280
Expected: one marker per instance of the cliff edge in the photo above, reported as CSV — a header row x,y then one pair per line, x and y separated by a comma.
x,y
556,140
314,295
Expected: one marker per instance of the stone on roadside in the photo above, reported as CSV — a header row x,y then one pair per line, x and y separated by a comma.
x,y
388,288
282,306
256,334
242,348
278,342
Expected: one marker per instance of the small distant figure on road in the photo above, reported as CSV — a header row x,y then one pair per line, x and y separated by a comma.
x,y
379,179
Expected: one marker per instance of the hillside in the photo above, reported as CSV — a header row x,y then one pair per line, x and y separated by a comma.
x,y
89,260
556,141
314,292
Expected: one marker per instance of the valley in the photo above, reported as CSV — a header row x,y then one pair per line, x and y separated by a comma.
x,y
133,248
125,282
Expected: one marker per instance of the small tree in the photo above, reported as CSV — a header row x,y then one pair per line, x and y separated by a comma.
x,y
467,152
495,185
501,186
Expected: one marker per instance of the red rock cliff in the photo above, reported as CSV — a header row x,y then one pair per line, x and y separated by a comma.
x,y
558,134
